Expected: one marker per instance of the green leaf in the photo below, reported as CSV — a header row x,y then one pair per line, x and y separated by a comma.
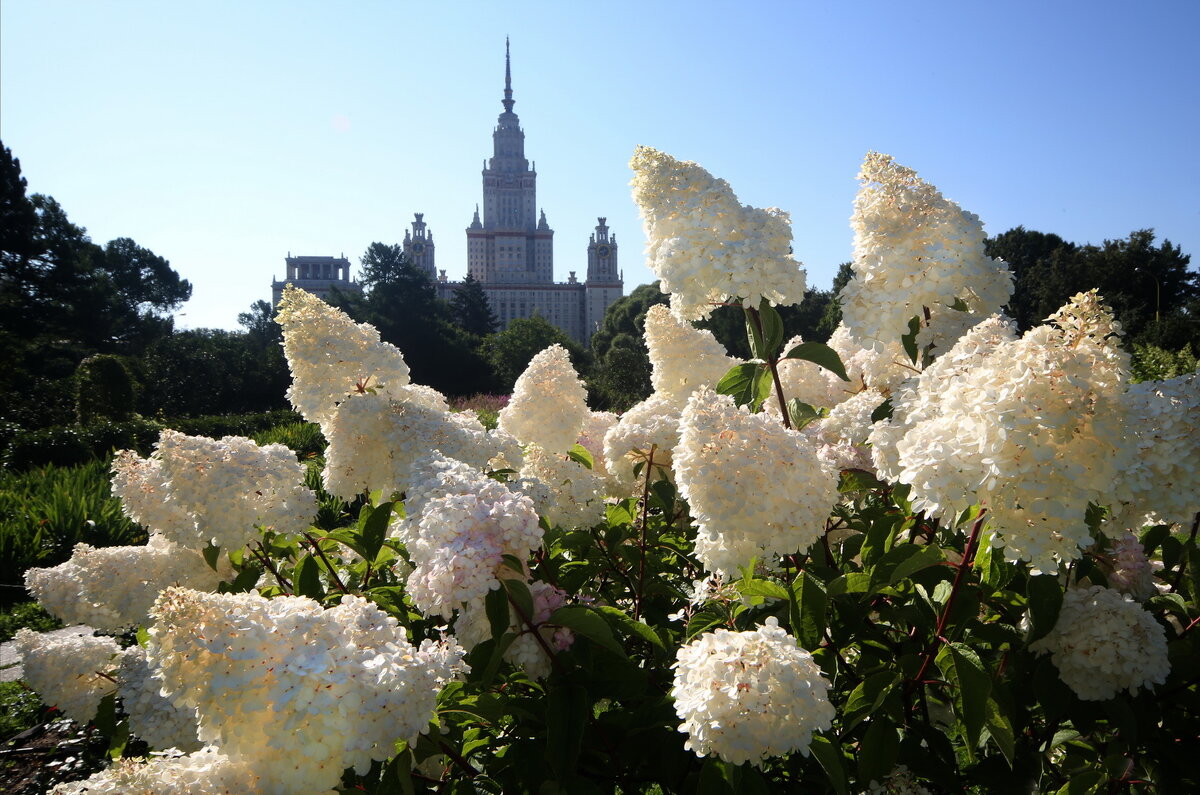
x,y
496,606
909,340
883,411
829,756
519,593
626,624
1085,782
1001,730
821,354
306,579
926,557
757,587
813,604
580,455
397,776
962,667
801,413
351,537
868,696
211,554
1045,601
960,305
764,345
586,622
717,777
878,751
567,713
374,530
748,384
989,565
858,480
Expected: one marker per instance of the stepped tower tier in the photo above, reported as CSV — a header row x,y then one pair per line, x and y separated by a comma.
x,y
605,283
418,246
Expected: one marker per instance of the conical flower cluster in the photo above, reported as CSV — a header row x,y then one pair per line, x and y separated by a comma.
x,y
548,406
683,358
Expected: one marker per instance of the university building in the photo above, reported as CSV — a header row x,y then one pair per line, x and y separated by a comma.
x,y
510,247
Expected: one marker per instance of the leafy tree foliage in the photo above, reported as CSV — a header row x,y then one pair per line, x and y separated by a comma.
x,y
508,352
1149,287
401,301
64,297
104,389
471,310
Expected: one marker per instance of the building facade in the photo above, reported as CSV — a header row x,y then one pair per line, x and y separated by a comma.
x,y
510,246
317,275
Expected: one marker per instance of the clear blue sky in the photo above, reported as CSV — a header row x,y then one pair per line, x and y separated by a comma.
x,y
223,135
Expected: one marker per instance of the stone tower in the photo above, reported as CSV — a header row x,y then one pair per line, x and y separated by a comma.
x,y
418,246
605,283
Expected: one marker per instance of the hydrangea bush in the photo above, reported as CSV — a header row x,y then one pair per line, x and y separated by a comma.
x,y
931,556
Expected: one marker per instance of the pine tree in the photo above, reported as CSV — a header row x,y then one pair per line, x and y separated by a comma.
x,y
471,309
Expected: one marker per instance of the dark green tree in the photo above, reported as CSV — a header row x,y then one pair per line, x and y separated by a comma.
x,y
401,302
104,389
509,351
471,310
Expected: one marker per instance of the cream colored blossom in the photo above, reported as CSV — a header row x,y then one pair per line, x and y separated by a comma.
x,y
730,688
591,438
1105,643
151,716
548,405
704,245
915,251
331,357
205,772
682,357
299,691
68,671
575,494
1031,428
646,434
756,488
113,588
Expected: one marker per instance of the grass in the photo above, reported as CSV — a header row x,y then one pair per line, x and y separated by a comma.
x,y
25,614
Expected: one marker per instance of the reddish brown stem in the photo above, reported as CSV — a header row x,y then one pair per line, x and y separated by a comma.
x,y
772,363
637,596
332,571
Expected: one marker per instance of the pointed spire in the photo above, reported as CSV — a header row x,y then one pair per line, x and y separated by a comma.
x,y
508,100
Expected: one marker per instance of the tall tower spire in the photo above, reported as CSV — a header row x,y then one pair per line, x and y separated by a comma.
x,y
508,100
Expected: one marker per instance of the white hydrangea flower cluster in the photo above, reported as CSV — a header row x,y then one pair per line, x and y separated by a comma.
x,y
549,404
747,696
1103,643
205,772
466,523
574,494
841,438
1130,570
1163,482
472,628
591,438
332,357
756,488
299,691
152,716
915,251
652,425
704,245
682,357
145,494
1031,428
113,588
375,442
881,366
226,486
65,670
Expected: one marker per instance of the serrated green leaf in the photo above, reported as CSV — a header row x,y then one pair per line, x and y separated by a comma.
x,y
821,354
306,579
716,778
764,345
801,413
1001,730
748,384
867,696
858,480
829,757
586,622
498,614
626,624
909,340
1045,602
760,587
374,530
521,597
925,558
813,604
351,537
963,668
567,714
582,456
1085,782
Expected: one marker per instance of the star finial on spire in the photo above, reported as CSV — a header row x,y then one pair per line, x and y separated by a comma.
x,y
508,100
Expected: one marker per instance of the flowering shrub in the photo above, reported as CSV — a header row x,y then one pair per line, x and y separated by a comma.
x,y
931,556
